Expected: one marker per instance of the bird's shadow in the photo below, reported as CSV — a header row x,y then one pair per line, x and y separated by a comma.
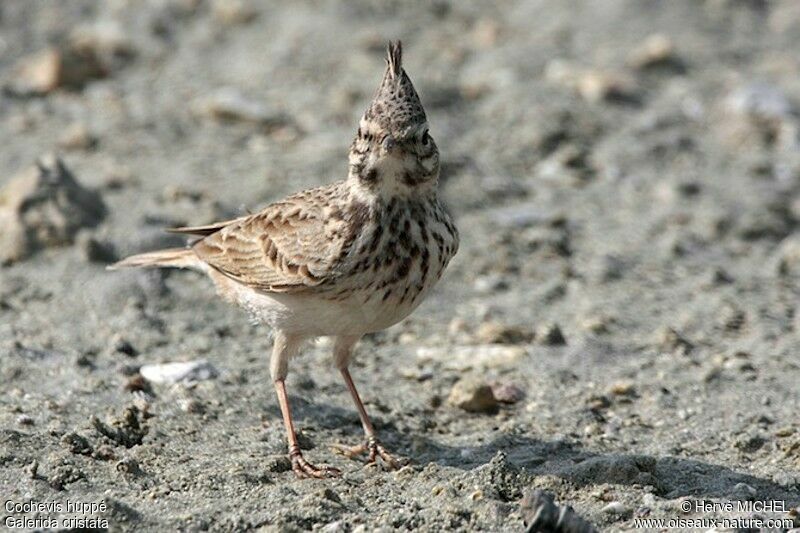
x,y
671,477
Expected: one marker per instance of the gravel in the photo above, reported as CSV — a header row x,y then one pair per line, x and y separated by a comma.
x,y
624,176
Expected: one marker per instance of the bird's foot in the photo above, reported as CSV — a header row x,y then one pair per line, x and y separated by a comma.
x,y
373,449
304,469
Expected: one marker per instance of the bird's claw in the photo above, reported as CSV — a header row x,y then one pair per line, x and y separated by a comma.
x,y
303,469
373,449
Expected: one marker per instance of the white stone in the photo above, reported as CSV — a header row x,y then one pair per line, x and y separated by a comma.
x,y
183,371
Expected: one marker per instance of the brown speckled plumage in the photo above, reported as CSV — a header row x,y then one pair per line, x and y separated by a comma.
x,y
341,260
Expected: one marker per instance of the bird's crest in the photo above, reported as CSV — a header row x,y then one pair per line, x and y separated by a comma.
x,y
394,58
396,107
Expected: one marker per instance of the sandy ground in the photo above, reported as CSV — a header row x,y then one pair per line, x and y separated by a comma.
x,y
639,194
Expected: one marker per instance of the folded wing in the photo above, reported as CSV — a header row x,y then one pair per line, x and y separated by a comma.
x,y
291,246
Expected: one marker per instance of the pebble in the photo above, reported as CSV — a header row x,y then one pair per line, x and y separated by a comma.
x,y
25,420
743,491
44,206
187,372
107,41
759,100
473,395
623,389
786,260
128,465
749,443
490,283
505,392
95,251
550,335
468,357
233,12
70,66
598,324
657,50
671,341
77,444
616,508
497,333
123,346
230,105
77,137
592,85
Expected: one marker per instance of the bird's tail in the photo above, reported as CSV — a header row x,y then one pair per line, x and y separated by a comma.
x,y
171,257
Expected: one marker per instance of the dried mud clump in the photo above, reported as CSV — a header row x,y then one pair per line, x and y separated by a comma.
x,y
127,430
44,206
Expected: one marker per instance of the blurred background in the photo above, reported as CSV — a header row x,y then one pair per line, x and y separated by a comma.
x,y
619,328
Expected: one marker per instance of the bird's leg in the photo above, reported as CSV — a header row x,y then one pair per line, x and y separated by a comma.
x,y
300,466
281,351
372,446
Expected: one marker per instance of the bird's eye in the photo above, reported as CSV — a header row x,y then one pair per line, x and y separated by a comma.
x,y
426,139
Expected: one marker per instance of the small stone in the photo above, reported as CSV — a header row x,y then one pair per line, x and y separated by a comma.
x,y
541,513
191,405
598,402
44,206
550,335
592,85
95,251
229,105
186,372
717,277
750,443
70,66
623,389
656,51
457,327
128,465
137,383
786,260
77,137
104,452
616,508
25,420
732,318
600,86
233,12
496,333
124,346
671,341
32,470
126,430
278,464
507,392
598,325
473,395
490,283
760,101
76,443
105,40
743,491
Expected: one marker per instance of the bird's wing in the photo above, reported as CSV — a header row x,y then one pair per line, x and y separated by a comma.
x,y
290,246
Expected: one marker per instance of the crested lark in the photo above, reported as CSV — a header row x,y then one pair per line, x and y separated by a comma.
x,y
343,260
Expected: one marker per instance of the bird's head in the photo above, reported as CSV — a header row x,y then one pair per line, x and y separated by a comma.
x,y
393,150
